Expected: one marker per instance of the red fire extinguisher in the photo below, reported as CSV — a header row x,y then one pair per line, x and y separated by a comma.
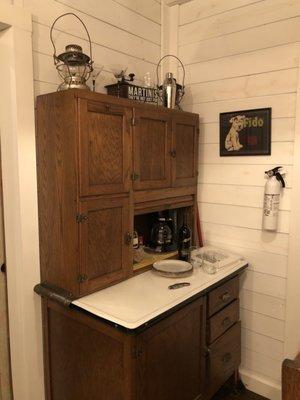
x,y
273,188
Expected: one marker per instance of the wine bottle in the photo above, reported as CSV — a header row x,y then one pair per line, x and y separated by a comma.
x,y
184,242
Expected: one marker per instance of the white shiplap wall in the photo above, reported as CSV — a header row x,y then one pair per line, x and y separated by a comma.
x,y
243,54
125,33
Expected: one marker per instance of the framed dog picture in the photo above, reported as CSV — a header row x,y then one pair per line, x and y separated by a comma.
x,y
245,133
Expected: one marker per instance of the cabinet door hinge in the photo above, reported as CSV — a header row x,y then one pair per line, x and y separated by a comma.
x,y
134,176
82,278
81,218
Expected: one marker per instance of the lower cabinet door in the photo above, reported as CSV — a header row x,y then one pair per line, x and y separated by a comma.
x,y
105,240
170,358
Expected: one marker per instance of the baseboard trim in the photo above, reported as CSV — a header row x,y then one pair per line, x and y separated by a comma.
x,y
260,384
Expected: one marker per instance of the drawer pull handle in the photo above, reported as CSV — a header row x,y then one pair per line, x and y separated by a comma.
x,y
225,296
226,321
226,358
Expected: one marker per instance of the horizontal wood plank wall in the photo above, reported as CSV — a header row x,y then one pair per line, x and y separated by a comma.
x,y
125,34
242,54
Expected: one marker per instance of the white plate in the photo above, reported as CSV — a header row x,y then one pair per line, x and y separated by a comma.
x,y
173,268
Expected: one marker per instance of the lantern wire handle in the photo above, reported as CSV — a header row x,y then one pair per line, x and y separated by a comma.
x,y
87,32
183,69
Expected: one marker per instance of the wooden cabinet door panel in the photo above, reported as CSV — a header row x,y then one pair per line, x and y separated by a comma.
x,y
105,254
185,133
85,361
105,148
170,363
151,149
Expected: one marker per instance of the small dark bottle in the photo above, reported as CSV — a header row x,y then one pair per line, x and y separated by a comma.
x,y
184,242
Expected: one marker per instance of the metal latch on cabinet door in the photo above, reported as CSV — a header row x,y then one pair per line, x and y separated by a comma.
x,y
134,176
82,278
206,351
81,218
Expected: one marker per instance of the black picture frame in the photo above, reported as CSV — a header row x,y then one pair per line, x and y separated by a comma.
x,y
245,132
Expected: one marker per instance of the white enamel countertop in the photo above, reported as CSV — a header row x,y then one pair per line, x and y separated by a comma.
x,y
137,300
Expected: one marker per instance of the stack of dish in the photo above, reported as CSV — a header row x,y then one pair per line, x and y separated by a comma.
x,y
173,268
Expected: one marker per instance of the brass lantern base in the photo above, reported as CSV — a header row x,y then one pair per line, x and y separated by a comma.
x,y
73,82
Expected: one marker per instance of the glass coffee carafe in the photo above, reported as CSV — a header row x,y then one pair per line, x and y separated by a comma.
x,y
161,235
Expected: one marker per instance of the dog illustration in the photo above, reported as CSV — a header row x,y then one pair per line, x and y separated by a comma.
x,y
232,142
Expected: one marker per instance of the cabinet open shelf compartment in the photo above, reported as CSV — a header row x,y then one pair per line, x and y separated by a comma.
x,y
143,225
148,262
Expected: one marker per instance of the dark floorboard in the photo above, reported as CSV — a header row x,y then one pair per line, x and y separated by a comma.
x,y
244,396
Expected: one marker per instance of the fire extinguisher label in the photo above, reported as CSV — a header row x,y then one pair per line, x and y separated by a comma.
x,y
271,205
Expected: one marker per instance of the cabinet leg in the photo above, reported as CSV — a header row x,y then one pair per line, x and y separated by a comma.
x,y
237,385
234,387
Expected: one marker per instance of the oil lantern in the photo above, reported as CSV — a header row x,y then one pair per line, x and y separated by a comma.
x,y
170,92
73,66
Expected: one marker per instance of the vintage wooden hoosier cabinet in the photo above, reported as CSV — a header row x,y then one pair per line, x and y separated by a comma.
x,y
112,329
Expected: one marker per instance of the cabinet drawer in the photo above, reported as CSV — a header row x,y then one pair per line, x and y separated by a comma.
x,y
225,356
223,295
222,321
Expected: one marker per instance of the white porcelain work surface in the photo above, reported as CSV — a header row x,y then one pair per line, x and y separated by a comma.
x,y
137,300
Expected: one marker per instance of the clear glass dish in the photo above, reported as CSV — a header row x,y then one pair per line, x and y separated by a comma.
x,y
195,257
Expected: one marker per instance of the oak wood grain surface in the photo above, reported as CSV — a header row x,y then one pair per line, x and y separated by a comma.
x,y
222,296
291,379
185,137
94,150
57,178
106,256
104,147
151,149
164,373
222,321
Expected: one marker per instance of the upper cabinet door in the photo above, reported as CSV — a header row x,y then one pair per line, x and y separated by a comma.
x,y
151,149
106,245
105,148
185,133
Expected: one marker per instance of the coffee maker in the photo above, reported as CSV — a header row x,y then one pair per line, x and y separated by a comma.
x,y
164,232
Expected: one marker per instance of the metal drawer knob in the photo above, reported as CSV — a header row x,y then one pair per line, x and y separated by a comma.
x,y
226,321
226,358
225,296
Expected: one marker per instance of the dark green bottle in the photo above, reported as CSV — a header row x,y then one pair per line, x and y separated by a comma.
x,y
184,242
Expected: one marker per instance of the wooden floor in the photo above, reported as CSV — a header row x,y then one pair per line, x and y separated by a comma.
x,y
245,396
